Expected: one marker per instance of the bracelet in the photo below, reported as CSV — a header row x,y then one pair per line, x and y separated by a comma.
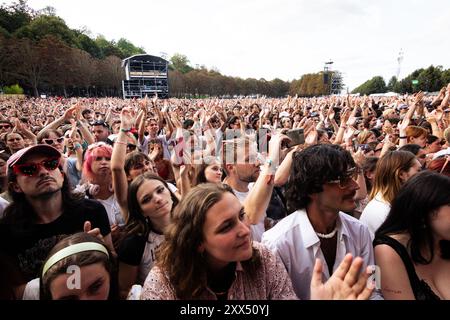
x,y
120,142
76,146
405,137
125,130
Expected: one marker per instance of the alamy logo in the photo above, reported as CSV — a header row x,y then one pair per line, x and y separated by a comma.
x,y
74,280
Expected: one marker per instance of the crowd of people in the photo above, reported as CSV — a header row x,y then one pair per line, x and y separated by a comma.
x,y
337,197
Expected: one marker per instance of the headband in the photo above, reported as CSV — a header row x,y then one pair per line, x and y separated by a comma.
x,y
71,250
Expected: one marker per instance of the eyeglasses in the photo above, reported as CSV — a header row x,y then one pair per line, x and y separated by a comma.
x,y
345,180
141,165
32,169
52,141
5,126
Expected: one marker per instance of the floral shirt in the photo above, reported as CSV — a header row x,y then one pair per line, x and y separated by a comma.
x,y
271,282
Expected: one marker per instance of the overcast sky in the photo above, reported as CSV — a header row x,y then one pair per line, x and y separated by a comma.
x,y
276,38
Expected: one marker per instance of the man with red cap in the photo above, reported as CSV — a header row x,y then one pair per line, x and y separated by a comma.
x,y
44,209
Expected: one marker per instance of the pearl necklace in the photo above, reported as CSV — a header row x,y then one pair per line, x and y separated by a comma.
x,y
327,236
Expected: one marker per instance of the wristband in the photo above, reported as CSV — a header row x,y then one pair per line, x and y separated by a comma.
x,y
125,130
76,146
403,137
120,142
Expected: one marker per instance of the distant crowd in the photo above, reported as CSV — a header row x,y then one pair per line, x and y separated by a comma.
x,y
337,197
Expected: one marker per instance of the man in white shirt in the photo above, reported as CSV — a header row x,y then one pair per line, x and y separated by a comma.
x,y
322,185
242,168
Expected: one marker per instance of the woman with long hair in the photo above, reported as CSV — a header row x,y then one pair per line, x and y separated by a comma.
x,y
392,171
209,255
150,203
412,247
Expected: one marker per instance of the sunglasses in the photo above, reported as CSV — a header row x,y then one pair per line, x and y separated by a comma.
x,y
101,123
32,169
52,141
5,127
346,180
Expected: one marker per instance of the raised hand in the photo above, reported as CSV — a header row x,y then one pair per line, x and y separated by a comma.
x,y
346,283
126,119
69,113
87,228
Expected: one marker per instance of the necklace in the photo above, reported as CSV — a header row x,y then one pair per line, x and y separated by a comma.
x,y
328,235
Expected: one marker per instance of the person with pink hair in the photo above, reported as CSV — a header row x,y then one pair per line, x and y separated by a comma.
x,y
98,181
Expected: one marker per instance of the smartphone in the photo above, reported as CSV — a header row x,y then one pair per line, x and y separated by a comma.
x,y
297,137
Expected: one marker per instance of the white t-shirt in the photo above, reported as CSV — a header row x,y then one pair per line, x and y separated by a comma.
x,y
257,229
165,143
113,211
31,291
148,257
375,214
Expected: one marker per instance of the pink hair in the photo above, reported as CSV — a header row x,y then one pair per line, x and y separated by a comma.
x,y
94,151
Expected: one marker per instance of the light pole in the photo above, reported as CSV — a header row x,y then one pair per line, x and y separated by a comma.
x,y
327,77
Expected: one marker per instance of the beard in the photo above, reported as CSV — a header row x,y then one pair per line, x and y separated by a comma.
x,y
249,178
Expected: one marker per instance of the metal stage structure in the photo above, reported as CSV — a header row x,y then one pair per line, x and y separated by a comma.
x,y
145,75
331,82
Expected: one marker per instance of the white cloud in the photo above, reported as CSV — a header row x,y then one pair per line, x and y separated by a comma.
x,y
269,38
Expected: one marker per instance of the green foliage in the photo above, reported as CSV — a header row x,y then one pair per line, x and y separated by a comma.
x,y
180,63
128,49
374,85
430,79
15,16
108,48
14,89
89,45
392,83
4,32
43,26
445,76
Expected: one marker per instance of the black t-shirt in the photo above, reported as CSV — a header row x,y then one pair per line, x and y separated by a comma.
x,y
31,247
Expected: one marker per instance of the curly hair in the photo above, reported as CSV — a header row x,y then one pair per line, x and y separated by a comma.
x,y
312,168
179,255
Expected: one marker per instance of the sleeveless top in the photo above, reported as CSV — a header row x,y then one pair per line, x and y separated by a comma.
x,y
421,289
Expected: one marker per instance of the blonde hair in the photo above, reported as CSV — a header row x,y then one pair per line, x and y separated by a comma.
x,y
363,136
387,174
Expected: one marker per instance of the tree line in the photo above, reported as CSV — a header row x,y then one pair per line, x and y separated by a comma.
x,y
42,54
431,79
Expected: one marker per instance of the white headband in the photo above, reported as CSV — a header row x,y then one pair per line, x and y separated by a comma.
x,y
71,250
